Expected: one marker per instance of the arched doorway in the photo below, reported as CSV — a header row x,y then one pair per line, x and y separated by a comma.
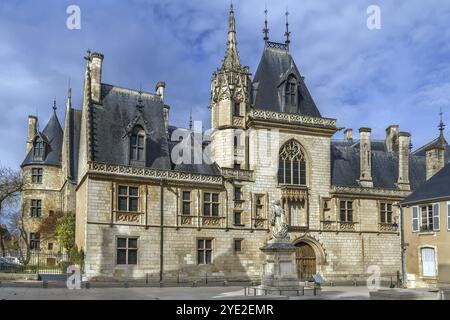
x,y
306,261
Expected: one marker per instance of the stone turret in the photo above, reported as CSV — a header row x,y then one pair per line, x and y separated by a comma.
x,y
230,93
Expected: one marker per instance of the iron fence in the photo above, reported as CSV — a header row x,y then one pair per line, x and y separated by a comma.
x,y
36,262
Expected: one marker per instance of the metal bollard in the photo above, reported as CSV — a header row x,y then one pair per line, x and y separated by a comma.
x,y
161,284
355,283
126,285
225,283
194,283
44,284
88,285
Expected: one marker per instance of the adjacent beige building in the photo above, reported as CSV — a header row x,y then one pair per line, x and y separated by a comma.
x,y
427,225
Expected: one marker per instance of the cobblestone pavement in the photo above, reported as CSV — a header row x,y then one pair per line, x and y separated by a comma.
x,y
27,291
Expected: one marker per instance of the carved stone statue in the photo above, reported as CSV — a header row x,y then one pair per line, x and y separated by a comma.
x,y
278,222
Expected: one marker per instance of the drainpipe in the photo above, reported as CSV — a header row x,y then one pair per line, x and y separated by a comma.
x,y
161,230
402,235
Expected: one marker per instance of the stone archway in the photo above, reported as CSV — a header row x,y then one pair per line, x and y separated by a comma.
x,y
310,256
305,258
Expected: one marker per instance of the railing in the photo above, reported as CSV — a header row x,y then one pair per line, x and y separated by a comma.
x,y
277,45
169,175
347,226
238,174
297,119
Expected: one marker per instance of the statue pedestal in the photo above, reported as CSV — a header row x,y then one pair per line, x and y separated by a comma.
x,y
279,271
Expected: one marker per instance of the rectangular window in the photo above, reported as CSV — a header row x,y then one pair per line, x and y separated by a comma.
x,y
259,206
238,193
127,251
385,212
426,218
186,203
128,199
346,211
415,219
238,218
448,216
137,147
36,208
237,109
204,251
211,204
35,241
237,245
36,175
50,246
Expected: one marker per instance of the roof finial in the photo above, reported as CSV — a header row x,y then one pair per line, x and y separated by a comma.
x,y
266,28
287,33
54,104
140,105
441,124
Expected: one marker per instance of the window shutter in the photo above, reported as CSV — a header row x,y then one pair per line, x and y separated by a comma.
x,y
436,218
415,219
448,215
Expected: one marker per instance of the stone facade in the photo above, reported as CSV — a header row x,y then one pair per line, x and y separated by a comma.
x,y
161,240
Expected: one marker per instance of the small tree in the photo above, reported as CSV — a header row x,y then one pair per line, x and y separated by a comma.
x,y
10,185
65,232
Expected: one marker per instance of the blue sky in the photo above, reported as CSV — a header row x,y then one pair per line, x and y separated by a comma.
x,y
397,75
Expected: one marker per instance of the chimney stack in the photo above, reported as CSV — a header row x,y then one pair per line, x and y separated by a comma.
x,y
160,86
365,150
96,61
403,161
392,138
348,134
32,130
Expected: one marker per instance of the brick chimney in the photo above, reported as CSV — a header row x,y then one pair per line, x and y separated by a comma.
x,y
160,86
365,151
32,130
392,138
403,161
435,158
348,134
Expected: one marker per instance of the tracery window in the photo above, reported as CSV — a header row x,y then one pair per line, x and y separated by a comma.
x,y
292,164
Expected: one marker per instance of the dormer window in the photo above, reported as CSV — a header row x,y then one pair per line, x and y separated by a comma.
x,y
137,145
290,92
39,150
237,109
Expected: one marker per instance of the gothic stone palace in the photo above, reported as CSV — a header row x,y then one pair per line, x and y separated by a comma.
x,y
140,214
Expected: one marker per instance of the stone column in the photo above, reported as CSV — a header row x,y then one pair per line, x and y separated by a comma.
x,y
365,150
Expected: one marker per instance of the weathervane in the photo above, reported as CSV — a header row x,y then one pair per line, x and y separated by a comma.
x,y
266,28
287,33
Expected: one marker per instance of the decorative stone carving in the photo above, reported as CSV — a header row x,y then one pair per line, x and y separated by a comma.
x,y
258,114
238,174
122,170
278,223
211,221
128,217
186,220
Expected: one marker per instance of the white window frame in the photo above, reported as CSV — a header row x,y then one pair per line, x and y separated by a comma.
x,y
448,215
436,217
417,218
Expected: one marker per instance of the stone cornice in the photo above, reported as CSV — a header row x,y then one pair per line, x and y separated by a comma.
x,y
296,119
157,174
371,192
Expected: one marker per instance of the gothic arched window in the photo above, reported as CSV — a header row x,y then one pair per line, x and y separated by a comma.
x,y
290,91
292,164
137,145
39,149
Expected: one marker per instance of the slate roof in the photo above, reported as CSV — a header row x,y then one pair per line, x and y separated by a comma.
x,y
196,153
345,165
268,90
53,135
436,188
113,120
438,142
75,141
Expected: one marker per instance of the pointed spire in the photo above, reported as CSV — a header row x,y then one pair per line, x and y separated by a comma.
x,y
266,28
231,56
190,120
441,124
287,33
